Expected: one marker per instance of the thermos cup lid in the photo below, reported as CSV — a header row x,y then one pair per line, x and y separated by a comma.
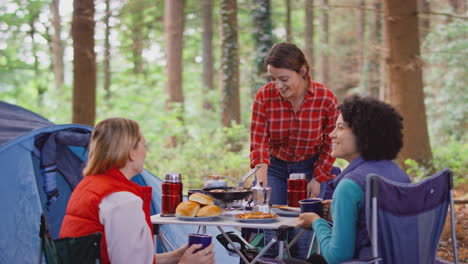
x,y
172,177
297,176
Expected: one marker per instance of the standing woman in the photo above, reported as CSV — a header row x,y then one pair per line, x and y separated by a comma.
x,y
107,201
292,118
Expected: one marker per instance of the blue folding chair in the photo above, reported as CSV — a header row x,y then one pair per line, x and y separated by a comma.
x,y
406,219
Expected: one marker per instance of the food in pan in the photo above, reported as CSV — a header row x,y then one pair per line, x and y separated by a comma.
x,y
255,215
218,190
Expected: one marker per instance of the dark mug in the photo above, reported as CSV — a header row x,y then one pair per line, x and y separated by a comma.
x,y
204,240
312,205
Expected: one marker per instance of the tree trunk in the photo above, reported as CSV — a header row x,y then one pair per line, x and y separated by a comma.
x,y
41,89
362,34
107,51
383,87
174,33
57,46
324,64
84,63
229,63
288,21
309,36
137,36
364,63
459,6
208,61
32,33
373,77
173,30
405,78
263,38
424,8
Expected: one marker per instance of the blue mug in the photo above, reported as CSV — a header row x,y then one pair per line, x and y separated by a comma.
x,y
312,205
204,240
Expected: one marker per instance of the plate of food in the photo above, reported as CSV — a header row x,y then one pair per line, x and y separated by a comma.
x,y
284,210
199,207
256,217
197,218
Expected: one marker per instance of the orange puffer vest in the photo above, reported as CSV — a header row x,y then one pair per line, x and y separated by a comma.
x,y
82,214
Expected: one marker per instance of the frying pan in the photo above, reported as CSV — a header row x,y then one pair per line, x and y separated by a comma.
x,y
230,194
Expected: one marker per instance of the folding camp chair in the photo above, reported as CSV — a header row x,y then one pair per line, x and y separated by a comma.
x,y
406,219
70,250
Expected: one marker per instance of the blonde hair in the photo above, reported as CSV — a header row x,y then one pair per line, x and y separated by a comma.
x,y
111,142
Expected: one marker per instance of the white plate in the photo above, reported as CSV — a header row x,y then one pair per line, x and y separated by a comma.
x,y
264,220
287,213
197,218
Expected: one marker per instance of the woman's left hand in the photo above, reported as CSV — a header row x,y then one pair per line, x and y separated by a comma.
x,y
326,210
313,188
306,220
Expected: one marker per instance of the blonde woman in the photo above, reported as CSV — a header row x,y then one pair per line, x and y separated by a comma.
x,y
107,201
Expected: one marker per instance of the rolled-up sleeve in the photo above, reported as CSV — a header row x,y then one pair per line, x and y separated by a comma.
x,y
259,139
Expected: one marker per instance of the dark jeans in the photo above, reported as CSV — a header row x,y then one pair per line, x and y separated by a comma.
x,y
278,174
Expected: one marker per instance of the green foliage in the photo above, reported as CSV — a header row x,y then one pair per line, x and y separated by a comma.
x,y
341,163
453,155
203,146
446,51
202,153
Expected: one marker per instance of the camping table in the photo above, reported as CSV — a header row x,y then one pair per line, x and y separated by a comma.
x,y
279,226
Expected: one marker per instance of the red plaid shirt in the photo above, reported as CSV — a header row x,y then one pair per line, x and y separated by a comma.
x,y
278,131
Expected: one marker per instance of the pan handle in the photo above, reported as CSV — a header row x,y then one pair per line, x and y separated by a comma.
x,y
221,177
247,175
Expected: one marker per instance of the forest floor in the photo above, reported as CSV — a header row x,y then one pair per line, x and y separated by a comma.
x,y
461,217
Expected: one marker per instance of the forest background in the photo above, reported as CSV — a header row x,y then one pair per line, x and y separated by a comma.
x,y
187,71
189,122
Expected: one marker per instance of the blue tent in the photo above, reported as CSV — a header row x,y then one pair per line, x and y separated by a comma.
x,y
40,164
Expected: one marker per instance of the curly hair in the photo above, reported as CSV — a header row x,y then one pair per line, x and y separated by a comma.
x,y
377,127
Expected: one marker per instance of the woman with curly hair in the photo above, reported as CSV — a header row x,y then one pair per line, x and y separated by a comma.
x,y
368,134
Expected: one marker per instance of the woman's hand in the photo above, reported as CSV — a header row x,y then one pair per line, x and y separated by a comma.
x,y
204,256
306,220
313,188
326,210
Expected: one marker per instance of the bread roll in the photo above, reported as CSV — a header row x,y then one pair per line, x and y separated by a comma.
x,y
201,199
209,210
188,209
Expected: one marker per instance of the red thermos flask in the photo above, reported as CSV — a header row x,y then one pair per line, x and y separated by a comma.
x,y
297,188
171,193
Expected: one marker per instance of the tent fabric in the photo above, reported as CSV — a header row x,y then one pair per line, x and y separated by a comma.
x,y
15,121
55,156
23,198
29,143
